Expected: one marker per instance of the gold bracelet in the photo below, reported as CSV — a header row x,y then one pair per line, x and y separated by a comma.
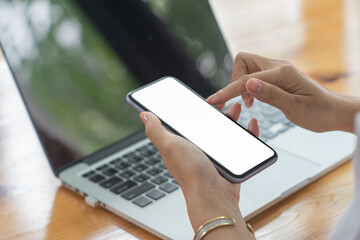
x,y
213,224
251,229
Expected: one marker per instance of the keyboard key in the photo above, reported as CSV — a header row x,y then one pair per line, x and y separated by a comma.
x,y
97,178
168,187
270,111
141,177
135,158
153,160
109,171
157,155
117,189
146,152
116,161
129,155
127,174
155,194
154,171
168,174
174,181
102,167
159,180
142,201
122,165
110,182
141,167
261,118
277,118
284,120
151,146
265,124
289,124
137,191
161,165
87,174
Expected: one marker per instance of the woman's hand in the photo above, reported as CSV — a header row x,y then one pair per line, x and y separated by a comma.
x,y
207,194
278,83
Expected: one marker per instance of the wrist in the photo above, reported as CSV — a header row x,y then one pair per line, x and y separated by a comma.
x,y
202,208
345,109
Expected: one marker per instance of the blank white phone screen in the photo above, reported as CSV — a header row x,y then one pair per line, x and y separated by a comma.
x,y
199,122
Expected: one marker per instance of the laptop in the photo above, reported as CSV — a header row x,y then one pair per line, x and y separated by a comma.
x,y
74,62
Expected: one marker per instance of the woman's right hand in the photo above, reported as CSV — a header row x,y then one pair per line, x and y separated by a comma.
x,y
278,83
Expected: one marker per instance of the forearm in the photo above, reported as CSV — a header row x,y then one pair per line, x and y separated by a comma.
x,y
204,208
345,109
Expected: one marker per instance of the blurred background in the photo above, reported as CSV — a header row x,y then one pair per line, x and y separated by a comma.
x,y
76,60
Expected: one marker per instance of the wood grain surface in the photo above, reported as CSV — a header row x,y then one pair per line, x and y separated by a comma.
x,y
321,37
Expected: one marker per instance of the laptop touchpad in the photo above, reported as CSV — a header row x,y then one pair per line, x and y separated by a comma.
x,y
287,172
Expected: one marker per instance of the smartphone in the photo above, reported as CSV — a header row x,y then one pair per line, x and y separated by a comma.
x,y
236,153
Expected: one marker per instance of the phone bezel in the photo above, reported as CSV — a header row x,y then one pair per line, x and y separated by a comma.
x,y
226,173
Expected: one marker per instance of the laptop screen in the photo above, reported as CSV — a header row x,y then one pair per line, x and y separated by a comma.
x,y
75,61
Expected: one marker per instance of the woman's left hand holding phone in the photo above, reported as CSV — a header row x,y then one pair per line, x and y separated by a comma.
x,y
206,192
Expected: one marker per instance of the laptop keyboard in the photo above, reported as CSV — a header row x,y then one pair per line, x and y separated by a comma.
x,y
139,176
272,121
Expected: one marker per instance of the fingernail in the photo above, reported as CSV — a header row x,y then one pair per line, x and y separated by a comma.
x,y
143,117
247,104
246,96
211,98
255,85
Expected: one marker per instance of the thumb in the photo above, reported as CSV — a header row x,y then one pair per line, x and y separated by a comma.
x,y
154,130
268,93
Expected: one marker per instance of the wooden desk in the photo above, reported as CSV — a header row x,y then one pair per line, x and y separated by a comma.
x,y
321,37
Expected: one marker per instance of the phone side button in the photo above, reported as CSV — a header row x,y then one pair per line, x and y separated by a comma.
x,y
295,188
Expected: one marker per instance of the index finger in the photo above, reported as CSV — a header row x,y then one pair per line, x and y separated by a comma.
x,y
238,87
